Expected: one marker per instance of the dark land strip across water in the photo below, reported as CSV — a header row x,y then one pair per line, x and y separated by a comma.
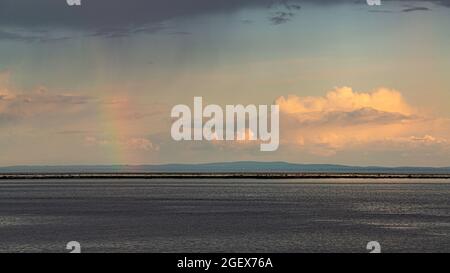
x,y
262,175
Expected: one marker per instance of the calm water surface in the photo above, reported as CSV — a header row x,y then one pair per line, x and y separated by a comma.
x,y
224,215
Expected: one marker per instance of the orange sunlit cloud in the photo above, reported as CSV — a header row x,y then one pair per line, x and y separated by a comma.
x,y
344,119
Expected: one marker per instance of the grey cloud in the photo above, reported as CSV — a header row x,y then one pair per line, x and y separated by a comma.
x,y
114,18
27,36
6,35
117,32
281,17
286,10
406,9
365,116
29,105
415,9
287,4
356,117
180,33
110,13
114,13
118,18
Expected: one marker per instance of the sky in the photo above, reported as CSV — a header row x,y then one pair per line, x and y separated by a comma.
x,y
95,84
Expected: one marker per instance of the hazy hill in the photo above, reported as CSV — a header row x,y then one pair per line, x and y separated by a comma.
x,y
247,166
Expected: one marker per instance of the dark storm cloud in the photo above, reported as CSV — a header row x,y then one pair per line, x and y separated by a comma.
x,y
118,18
125,15
110,13
281,17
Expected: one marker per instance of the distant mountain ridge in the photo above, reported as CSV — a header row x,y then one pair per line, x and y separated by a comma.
x,y
225,167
